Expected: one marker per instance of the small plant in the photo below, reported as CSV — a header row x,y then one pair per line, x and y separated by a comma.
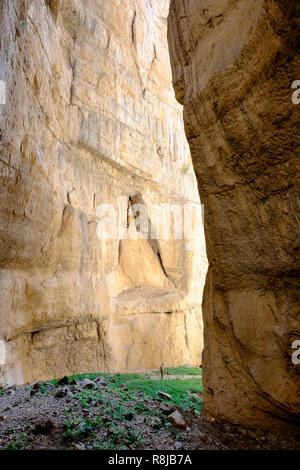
x,y
86,396
117,433
70,427
75,428
105,445
116,412
15,445
132,436
140,407
43,388
154,412
140,441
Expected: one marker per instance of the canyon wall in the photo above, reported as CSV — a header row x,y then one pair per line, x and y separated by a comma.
x,y
91,118
233,64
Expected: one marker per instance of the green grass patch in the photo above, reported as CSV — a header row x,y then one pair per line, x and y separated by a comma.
x,y
106,445
75,428
183,370
178,389
15,445
111,378
86,396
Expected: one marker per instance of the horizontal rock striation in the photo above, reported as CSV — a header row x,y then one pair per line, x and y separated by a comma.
x,y
233,64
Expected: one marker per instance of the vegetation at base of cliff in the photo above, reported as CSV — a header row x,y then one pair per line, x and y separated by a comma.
x,y
105,411
180,391
183,370
117,412
183,391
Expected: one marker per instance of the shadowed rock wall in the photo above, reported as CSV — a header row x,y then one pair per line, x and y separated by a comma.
x,y
233,63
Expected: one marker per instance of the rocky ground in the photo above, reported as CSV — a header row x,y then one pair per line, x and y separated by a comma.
x,y
121,411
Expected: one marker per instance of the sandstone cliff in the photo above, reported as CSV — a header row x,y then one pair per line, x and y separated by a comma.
x,y
91,116
233,63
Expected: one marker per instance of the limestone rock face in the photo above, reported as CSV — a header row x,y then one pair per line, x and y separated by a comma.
x,y
233,64
90,119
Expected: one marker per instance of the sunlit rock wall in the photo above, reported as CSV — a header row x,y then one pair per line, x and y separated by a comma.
x,y
91,117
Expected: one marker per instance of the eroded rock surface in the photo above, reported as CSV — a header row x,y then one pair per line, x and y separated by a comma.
x,y
91,116
234,62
